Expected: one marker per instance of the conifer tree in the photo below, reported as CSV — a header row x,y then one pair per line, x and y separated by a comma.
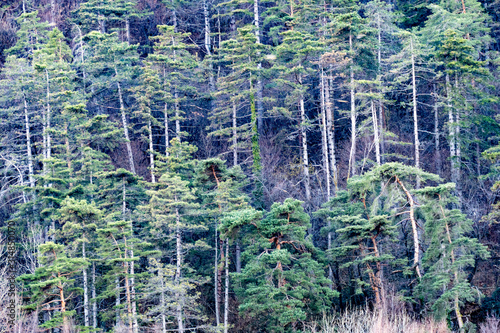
x,y
296,54
52,285
282,283
113,64
176,65
450,253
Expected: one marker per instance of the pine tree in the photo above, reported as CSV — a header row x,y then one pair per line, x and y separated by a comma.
x,y
52,285
113,64
296,54
176,67
451,251
172,206
282,283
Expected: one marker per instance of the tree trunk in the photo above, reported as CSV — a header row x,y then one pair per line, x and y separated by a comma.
x,y
416,242
455,272
47,126
352,155
436,132
226,291
28,142
216,276
125,127
162,301
85,292
180,296
260,108
127,289
415,116
380,103
305,157
330,132
151,151
235,135
135,324
375,132
63,305
127,29
238,257
452,134
53,12
324,144
117,302
94,303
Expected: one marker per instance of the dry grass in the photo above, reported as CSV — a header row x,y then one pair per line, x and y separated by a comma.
x,y
366,321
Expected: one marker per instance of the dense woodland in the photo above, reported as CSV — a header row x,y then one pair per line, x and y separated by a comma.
x,y
249,165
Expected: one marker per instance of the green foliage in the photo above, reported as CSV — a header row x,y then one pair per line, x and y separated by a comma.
x,y
281,283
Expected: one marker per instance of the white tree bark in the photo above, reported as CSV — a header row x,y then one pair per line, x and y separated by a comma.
x,y
180,296
330,132
260,108
352,155
151,151
94,303
125,128
235,135
167,143
375,132
305,157
415,115
436,132
85,291
452,133
324,143
226,291
162,301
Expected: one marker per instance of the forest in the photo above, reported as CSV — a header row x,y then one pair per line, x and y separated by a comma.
x,y
249,166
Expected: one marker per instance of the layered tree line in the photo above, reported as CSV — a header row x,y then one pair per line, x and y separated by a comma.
x,y
248,165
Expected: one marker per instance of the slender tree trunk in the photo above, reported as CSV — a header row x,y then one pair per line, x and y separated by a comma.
x,y
180,294
324,143
235,135
260,108
436,132
167,143
415,115
63,305
352,155
85,292
28,141
455,272
52,12
117,302
452,134
216,276
127,29
305,157
151,151
162,301
380,103
330,132
208,46
416,242
125,128
375,132
127,289
94,302
135,324
458,151
238,257
226,291
48,147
